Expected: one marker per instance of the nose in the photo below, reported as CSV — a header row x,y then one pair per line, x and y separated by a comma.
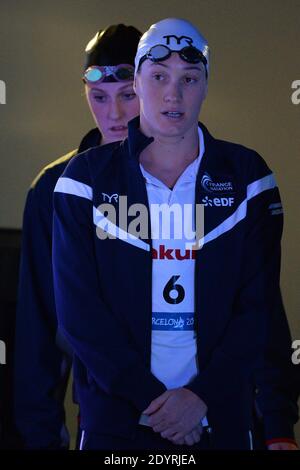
x,y
173,92
115,110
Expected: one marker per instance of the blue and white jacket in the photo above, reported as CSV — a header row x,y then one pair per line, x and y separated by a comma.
x,y
41,365
103,292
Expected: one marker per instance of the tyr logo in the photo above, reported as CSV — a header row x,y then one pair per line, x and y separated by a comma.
x,y
187,39
107,197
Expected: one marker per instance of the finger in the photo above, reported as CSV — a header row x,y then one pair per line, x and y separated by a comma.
x,y
168,434
161,427
156,420
189,440
199,428
157,403
162,417
177,442
172,429
196,435
179,436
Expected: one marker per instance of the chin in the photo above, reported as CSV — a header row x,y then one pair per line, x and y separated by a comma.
x,y
173,129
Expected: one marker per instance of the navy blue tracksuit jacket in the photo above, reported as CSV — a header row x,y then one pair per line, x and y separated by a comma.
x,y
104,299
41,363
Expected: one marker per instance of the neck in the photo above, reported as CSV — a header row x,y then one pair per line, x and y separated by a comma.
x,y
167,157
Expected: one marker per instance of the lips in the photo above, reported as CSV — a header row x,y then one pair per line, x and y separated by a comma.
x,y
173,114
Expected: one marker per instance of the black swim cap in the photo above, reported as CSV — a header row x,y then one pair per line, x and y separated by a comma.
x,y
115,45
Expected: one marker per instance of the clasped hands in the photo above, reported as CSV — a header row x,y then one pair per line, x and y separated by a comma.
x,y
177,415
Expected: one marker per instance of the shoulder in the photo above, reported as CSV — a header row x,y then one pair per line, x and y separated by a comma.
x,y
86,165
241,155
246,163
39,200
47,178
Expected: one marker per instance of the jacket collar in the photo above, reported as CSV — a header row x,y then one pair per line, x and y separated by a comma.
x,y
91,139
137,141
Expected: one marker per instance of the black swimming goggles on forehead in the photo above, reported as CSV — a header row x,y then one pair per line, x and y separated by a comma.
x,y
108,73
189,54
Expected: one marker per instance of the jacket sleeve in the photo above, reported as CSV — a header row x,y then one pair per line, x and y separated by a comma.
x,y
276,393
93,330
258,325
39,363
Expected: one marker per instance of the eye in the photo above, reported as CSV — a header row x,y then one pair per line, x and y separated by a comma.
x,y
128,96
100,98
188,79
158,76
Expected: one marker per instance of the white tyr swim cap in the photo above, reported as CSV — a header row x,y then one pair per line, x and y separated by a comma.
x,y
173,34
